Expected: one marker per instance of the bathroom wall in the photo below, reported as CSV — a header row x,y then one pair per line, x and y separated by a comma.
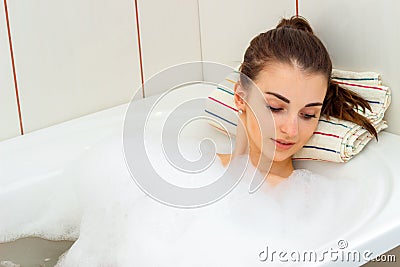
x,y
169,33
8,105
361,36
77,57
71,57
228,26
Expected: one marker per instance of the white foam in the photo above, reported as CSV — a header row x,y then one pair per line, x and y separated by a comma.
x,y
9,264
122,226
47,207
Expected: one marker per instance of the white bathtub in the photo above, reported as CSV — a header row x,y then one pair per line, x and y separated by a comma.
x,y
32,187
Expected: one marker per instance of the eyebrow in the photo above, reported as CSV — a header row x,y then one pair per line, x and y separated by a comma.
x,y
284,99
313,104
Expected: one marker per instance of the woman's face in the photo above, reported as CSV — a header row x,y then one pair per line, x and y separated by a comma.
x,y
294,99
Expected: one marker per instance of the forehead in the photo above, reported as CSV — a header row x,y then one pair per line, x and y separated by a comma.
x,y
292,82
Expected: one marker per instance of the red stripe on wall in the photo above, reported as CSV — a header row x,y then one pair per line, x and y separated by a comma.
x,y
297,8
13,69
139,47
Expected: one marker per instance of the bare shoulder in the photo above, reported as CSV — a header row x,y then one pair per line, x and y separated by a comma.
x,y
225,158
274,179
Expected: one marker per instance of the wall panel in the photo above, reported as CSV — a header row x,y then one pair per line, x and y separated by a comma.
x,y
73,57
227,27
361,36
8,104
170,35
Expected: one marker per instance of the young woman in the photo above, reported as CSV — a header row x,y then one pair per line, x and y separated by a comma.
x,y
292,70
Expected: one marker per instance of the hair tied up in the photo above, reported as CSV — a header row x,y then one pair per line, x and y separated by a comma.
x,y
297,23
293,42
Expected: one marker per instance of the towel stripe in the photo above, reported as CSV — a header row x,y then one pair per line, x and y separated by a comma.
x,y
226,91
229,80
374,102
212,98
355,79
332,135
359,85
312,159
334,123
219,117
322,148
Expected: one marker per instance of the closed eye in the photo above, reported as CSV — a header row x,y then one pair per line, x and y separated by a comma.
x,y
308,116
274,109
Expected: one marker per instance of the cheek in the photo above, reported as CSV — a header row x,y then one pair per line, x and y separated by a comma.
x,y
253,129
306,130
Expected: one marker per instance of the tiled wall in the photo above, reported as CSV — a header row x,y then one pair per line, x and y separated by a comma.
x,y
228,26
362,35
8,105
71,58
79,56
170,35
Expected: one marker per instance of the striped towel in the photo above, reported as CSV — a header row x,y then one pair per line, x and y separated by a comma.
x,y
334,140
369,86
366,78
220,105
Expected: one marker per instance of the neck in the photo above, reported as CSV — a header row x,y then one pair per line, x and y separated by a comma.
x,y
282,168
279,168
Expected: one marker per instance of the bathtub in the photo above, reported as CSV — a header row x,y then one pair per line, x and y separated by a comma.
x,y
32,186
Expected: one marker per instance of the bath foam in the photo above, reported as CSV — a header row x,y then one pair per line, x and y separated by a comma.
x,y
122,226
47,207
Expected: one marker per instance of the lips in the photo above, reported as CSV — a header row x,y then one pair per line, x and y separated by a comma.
x,y
282,144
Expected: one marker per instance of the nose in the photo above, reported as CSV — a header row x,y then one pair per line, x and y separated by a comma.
x,y
290,126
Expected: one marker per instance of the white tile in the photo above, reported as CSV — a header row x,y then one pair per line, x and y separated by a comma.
x,y
170,36
8,104
227,26
361,36
73,57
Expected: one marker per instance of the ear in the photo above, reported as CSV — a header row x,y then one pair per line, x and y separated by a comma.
x,y
239,96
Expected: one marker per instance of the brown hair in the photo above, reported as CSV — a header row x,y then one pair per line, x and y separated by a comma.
x,y
293,42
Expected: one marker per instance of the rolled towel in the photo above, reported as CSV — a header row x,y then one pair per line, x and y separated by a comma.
x,y
221,107
368,86
366,78
334,140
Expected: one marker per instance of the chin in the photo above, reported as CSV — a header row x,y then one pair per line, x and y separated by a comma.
x,y
279,156
281,159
